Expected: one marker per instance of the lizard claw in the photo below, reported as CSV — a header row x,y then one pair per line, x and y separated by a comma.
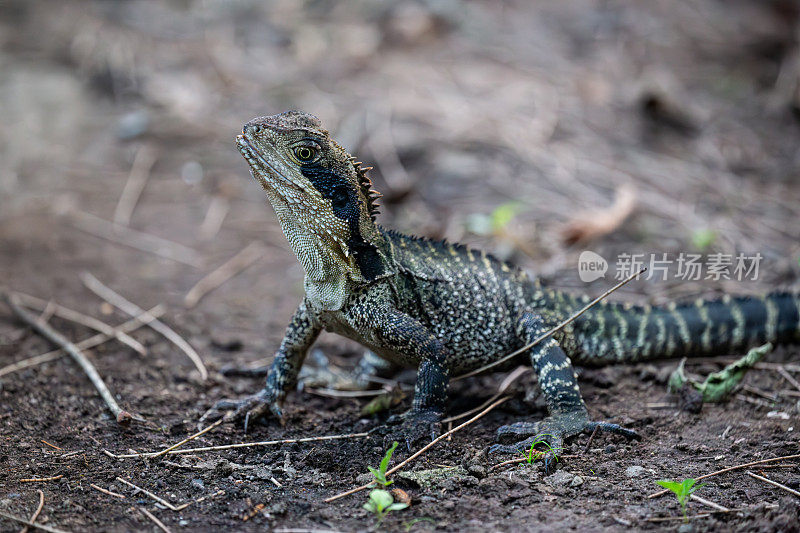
x,y
551,432
411,427
250,408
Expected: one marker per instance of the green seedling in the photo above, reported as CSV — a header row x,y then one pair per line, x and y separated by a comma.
x,y
411,523
702,239
534,455
380,472
682,490
381,503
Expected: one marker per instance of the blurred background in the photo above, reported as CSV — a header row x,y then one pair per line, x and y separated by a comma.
x,y
533,129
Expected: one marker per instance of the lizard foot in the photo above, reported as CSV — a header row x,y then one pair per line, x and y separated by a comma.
x,y
411,427
248,409
551,432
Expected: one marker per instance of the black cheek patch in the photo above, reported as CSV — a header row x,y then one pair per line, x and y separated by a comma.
x,y
344,199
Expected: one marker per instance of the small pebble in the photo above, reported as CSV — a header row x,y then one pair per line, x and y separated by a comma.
x,y
634,471
198,484
610,449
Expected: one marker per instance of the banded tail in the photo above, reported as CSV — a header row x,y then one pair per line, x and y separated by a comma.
x,y
612,332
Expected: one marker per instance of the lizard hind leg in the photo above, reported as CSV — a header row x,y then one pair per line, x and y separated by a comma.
x,y
568,415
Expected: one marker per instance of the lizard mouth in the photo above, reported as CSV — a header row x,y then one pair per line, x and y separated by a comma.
x,y
263,171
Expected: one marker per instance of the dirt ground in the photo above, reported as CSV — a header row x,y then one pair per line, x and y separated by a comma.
x,y
462,107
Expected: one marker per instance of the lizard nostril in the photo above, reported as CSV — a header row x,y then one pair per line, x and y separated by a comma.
x,y
251,128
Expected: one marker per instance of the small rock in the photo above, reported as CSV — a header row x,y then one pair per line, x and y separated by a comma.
x,y
610,449
577,481
686,528
635,471
132,125
223,468
477,470
183,522
198,484
560,478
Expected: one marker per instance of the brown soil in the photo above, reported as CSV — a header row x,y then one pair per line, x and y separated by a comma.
x,y
463,107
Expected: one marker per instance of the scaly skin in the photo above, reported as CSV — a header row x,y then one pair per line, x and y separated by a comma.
x,y
447,309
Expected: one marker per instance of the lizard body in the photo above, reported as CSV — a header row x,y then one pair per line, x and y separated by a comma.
x,y
448,309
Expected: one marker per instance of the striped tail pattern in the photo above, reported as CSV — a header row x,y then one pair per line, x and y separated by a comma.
x,y
614,333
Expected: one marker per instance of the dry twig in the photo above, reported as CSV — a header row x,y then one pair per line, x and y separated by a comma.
x,y
422,450
709,503
215,216
138,240
36,512
79,318
155,520
122,416
187,439
143,161
788,377
36,479
106,491
240,445
91,342
504,385
774,483
233,266
43,527
101,290
160,500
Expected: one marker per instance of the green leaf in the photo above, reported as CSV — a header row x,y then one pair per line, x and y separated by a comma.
x,y
370,506
503,215
703,238
381,498
673,486
397,506
387,458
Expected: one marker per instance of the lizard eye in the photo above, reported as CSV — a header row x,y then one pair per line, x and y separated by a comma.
x,y
304,153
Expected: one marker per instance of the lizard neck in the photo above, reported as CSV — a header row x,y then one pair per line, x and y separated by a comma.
x,y
334,265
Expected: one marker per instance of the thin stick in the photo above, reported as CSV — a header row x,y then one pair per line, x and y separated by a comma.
x,y
31,524
201,499
549,332
80,318
106,491
423,449
155,520
138,240
91,342
35,479
187,439
160,500
774,483
788,377
143,161
233,266
730,469
123,417
94,285
240,445
51,445
215,216
35,513
591,438
504,385
709,503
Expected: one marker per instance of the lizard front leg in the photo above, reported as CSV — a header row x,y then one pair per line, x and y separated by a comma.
x,y
559,384
300,334
401,333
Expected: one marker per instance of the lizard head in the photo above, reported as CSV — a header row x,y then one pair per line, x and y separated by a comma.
x,y
322,196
